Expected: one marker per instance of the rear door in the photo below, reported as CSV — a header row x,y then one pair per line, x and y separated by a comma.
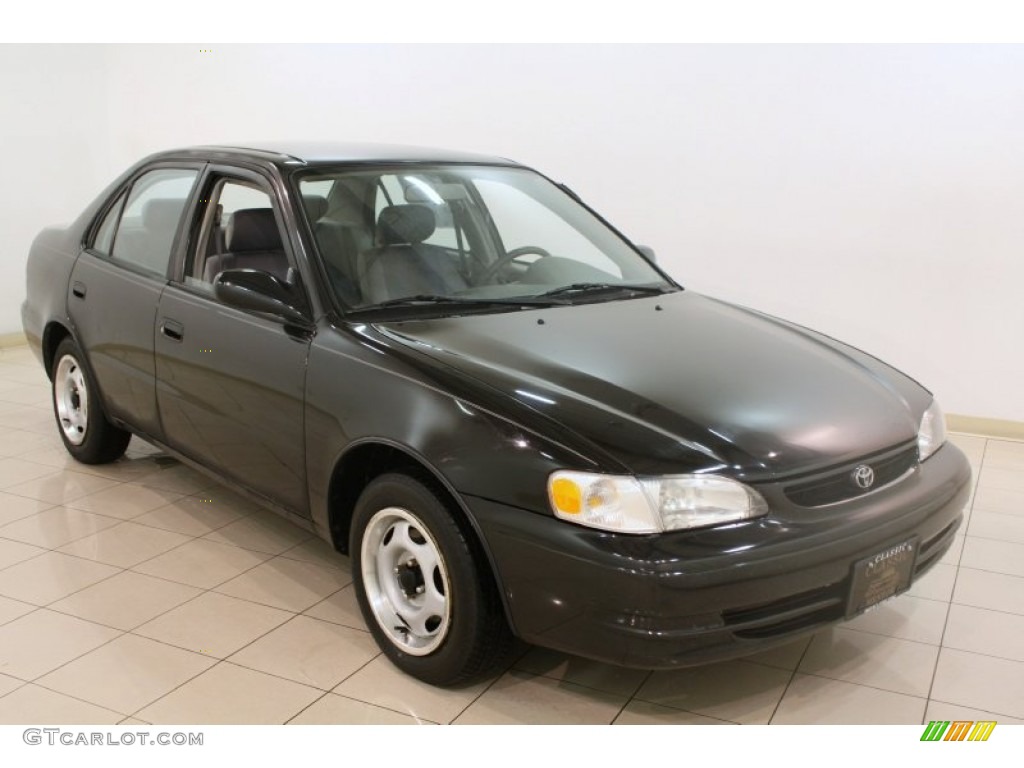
x,y
231,382
116,285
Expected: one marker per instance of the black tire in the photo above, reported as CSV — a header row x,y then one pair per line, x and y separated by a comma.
x,y
475,636
94,439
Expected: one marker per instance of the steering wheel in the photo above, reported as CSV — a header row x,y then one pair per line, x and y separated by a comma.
x,y
494,269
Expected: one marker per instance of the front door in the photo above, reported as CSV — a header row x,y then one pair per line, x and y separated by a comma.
x,y
230,382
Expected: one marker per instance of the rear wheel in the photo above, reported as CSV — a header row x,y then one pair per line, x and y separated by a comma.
x,y
86,433
425,589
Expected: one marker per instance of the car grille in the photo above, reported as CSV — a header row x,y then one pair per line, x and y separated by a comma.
x,y
838,485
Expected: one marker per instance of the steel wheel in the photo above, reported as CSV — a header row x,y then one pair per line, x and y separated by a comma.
x,y
71,398
81,421
406,581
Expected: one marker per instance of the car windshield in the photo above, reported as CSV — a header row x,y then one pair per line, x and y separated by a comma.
x,y
454,237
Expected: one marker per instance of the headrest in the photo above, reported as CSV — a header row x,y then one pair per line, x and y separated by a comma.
x,y
405,224
162,214
316,206
253,229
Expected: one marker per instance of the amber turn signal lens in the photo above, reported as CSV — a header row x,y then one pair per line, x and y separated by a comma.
x,y
566,496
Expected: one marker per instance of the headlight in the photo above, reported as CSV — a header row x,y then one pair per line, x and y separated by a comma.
x,y
649,505
932,433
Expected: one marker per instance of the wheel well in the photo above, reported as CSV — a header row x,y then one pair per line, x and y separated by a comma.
x,y
357,469
362,464
54,334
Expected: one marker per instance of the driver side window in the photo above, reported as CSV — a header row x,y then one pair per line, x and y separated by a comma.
x,y
239,231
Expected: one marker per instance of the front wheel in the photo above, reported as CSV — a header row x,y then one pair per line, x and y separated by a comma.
x,y
424,589
86,433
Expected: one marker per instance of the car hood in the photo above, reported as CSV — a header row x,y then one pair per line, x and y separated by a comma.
x,y
682,383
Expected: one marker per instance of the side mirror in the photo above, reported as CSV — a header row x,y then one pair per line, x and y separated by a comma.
x,y
258,291
647,251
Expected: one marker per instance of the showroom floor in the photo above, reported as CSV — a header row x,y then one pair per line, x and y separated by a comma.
x,y
144,592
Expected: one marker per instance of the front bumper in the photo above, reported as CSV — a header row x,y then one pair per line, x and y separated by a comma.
x,y
690,597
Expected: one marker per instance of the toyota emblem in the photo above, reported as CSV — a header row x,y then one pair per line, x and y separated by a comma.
x,y
864,476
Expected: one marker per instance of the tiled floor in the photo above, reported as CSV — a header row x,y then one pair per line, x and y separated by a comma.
x,y
143,590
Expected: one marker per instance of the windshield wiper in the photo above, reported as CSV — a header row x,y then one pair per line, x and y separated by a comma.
x,y
432,299
585,288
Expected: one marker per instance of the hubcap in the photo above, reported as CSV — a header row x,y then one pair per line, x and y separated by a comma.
x,y
406,581
71,399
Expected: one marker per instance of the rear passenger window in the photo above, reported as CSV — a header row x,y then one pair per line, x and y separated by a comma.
x,y
151,216
105,234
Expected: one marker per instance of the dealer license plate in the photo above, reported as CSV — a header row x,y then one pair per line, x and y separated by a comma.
x,y
882,575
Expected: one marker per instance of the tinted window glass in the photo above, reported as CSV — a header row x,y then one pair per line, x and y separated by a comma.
x,y
151,216
105,234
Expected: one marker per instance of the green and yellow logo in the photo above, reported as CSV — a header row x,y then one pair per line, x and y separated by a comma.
x,y
958,730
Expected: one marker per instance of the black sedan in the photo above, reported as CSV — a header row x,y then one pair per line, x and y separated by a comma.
x,y
509,417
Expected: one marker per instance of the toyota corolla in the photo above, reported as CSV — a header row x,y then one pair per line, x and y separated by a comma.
x,y
510,418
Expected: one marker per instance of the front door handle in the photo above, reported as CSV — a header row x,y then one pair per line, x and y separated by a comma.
x,y
172,329
78,289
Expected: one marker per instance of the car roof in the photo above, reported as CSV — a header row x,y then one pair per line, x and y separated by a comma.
x,y
309,153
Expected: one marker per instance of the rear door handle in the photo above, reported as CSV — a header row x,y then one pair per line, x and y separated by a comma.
x,y
78,289
172,329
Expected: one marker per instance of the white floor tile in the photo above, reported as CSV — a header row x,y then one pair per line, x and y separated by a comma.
x,y
43,640
125,502
784,657
812,700
200,563
126,600
190,515
125,544
992,555
939,710
905,617
737,691
291,585
61,487
338,710
882,662
341,608
980,682
126,674
309,651
984,589
936,584
522,698
992,633
261,532
18,507
56,527
998,498
213,624
32,705
993,525
228,694
590,674
638,712
12,552
13,609
50,577
380,683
